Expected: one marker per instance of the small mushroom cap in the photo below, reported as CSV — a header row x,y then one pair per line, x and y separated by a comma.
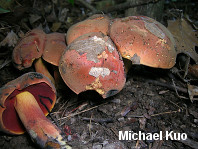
x,y
54,47
29,48
144,41
35,83
92,62
95,23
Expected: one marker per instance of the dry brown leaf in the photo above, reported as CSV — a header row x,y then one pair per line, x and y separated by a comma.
x,y
33,18
63,14
142,122
185,36
193,70
56,26
10,40
192,91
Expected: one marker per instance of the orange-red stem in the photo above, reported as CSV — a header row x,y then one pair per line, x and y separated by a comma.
x,y
41,130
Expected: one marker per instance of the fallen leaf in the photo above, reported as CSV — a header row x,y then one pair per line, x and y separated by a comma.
x,y
33,18
192,91
52,17
142,122
186,38
6,4
163,92
10,40
194,113
127,109
3,10
55,26
62,15
193,70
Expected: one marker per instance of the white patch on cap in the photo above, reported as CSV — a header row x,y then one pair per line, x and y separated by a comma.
x,y
97,71
102,42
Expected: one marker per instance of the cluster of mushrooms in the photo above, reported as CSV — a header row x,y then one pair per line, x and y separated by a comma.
x,y
90,57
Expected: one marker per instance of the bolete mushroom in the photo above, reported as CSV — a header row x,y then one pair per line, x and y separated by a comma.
x,y
144,41
54,47
29,48
24,103
37,44
95,23
92,62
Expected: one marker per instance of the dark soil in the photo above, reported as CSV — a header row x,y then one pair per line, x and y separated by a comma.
x,y
91,122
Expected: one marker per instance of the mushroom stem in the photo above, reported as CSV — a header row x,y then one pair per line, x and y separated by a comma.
x,y
127,64
41,68
41,130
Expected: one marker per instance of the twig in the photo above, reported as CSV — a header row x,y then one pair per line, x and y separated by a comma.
x,y
90,120
18,3
140,144
125,5
83,2
175,104
174,70
64,108
136,116
7,61
102,120
186,67
71,115
175,87
157,144
169,112
115,132
190,143
157,114
171,87
177,91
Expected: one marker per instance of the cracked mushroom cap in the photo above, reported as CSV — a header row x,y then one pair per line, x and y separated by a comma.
x,y
95,23
30,47
36,84
54,47
92,62
144,41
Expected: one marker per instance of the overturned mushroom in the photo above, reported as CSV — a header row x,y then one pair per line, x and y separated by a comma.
x,y
95,23
92,62
25,102
144,41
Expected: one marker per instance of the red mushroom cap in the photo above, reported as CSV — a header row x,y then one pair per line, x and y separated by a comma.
x,y
92,62
35,83
30,47
95,23
36,44
144,41
54,47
